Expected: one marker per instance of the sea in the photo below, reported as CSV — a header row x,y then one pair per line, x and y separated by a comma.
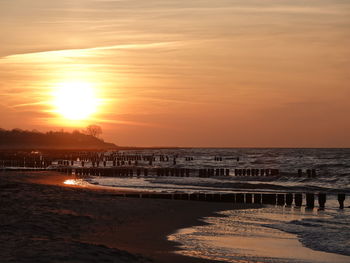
x,y
267,234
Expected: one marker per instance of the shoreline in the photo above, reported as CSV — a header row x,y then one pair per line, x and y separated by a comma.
x,y
96,218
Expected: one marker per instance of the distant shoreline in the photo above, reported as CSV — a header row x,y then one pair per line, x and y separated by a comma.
x,y
126,148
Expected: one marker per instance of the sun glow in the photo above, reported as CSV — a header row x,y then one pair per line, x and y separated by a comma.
x,y
75,101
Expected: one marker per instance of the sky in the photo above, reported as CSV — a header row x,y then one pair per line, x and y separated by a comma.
x,y
193,73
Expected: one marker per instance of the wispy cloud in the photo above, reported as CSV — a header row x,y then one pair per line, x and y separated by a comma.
x,y
83,52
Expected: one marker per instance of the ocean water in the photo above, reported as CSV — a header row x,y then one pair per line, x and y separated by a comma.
x,y
332,165
269,234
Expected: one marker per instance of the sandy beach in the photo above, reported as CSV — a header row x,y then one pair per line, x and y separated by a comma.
x,y
44,220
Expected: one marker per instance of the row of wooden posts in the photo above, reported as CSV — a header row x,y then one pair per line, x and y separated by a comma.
x,y
281,199
25,163
311,173
206,172
178,172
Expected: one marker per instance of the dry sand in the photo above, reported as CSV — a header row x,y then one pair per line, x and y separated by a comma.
x,y
43,220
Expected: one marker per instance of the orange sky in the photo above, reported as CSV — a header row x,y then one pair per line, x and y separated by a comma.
x,y
225,73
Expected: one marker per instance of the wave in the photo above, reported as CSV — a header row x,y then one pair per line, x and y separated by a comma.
x,y
323,234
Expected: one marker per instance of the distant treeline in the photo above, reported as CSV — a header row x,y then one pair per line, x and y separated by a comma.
x,y
23,139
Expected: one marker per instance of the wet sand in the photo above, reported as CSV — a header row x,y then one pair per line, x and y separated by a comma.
x,y
249,236
44,220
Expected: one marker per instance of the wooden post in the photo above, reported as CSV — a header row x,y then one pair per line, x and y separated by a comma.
x,y
310,200
289,199
341,199
298,199
322,200
281,200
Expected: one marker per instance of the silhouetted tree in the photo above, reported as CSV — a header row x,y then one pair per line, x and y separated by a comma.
x,y
94,130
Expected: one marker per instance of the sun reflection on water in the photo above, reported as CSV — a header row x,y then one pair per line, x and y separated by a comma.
x,y
76,182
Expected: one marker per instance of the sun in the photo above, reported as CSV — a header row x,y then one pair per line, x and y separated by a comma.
x,y
75,101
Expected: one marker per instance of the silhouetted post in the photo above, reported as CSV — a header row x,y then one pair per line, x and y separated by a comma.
x,y
240,198
269,199
298,199
211,172
280,199
241,172
310,200
216,197
289,199
341,199
308,172
201,197
313,173
267,172
194,197
230,198
182,172
205,173
257,198
322,200
300,172
248,198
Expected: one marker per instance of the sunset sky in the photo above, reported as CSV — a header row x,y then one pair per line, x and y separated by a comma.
x,y
224,73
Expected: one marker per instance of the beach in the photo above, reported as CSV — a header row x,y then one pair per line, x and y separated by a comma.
x,y
70,216
45,220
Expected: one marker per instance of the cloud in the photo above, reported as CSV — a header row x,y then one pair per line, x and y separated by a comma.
x,y
82,52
